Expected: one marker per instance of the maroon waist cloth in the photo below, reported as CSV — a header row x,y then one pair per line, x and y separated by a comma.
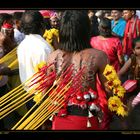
x,y
71,122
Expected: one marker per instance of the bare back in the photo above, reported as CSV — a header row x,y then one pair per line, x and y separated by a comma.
x,y
93,60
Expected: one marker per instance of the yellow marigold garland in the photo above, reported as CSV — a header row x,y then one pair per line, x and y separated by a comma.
x,y
122,111
48,35
115,103
38,96
39,66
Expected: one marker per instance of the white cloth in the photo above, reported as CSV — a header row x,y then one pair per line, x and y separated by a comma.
x,y
18,36
31,51
138,13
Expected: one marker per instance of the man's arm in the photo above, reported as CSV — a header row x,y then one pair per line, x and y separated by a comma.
x,y
102,62
4,70
125,68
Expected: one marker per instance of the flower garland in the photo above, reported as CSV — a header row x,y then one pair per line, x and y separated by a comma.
x,y
38,96
115,103
48,35
39,66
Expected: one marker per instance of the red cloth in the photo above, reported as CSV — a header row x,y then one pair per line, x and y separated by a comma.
x,y
111,46
132,30
71,122
104,106
7,26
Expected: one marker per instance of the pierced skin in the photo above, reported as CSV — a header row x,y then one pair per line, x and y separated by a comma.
x,y
94,61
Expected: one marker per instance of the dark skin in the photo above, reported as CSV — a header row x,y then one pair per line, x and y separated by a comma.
x,y
127,65
125,69
66,58
4,70
6,43
55,42
75,58
99,62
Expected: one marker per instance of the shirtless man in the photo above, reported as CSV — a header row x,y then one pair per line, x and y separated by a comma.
x,y
75,49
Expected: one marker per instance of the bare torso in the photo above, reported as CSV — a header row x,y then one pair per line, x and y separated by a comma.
x,y
93,60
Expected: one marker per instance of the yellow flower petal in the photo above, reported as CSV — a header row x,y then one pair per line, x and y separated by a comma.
x,y
113,103
122,111
39,66
119,91
110,73
37,97
117,82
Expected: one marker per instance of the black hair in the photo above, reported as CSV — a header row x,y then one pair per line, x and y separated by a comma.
x,y
131,10
47,23
134,41
105,27
74,31
17,15
31,22
94,26
4,17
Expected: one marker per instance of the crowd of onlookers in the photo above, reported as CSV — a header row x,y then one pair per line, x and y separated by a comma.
x,y
115,32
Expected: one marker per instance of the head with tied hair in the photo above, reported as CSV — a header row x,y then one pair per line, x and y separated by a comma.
x,y
5,18
74,31
105,27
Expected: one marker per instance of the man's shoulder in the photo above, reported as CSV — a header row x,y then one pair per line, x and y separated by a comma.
x,y
93,50
97,53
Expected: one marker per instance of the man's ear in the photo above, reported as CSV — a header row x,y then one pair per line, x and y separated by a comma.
x,y
132,11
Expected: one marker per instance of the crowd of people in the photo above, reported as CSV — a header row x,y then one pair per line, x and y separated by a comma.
x,y
85,39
